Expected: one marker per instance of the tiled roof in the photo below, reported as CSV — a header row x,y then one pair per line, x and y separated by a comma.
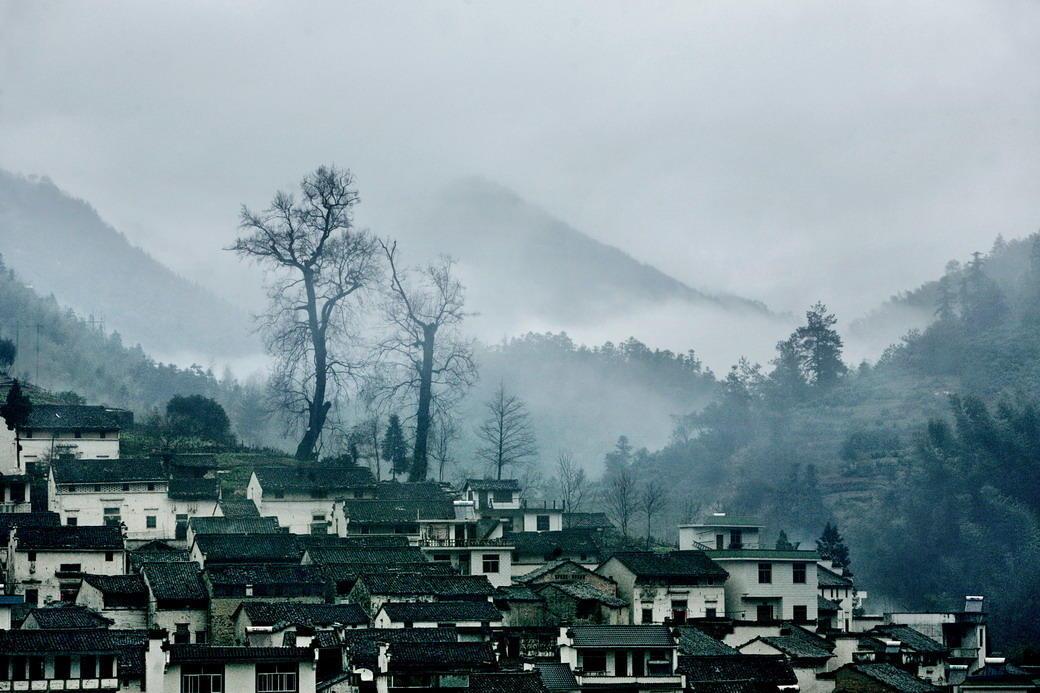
x,y
10,520
517,593
236,506
676,567
234,525
553,545
914,639
264,575
194,489
586,521
737,669
583,591
438,585
63,616
354,541
295,613
493,484
826,605
442,656
774,554
621,636
397,511
550,567
557,676
796,648
211,653
82,416
361,646
1002,674
419,490
120,590
69,538
249,548
441,612
727,520
122,470
176,582
345,574
157,552
378,556
128,645
893,677
828,578
696,643
313,478
506,682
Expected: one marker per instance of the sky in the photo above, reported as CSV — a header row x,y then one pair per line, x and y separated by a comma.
x,y
783,151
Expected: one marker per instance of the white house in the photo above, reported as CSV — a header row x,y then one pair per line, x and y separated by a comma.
x,y
302,497
471,618
72,430
47,563
719,531
635,658
55,660
767,585
123,599
178,601
840,592
668,588
178,668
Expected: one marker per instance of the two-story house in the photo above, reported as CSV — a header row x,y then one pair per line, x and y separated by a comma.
x,y
612,658
719,531
127,492
502,499
178,600
668,588
72,430
302,497
839,593
46,563
768,585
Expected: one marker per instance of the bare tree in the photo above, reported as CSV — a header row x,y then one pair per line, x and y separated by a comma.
x,y
652,500
506,435
573,482
424,357
367,436
442,440
622,498
317,262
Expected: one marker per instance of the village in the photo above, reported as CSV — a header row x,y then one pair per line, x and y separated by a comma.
x,y
148,574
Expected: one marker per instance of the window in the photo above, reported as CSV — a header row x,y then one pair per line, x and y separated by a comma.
x,y
27,433
542,523
276,677
736,539
489,563
502,496
202,678
711,612
201,637
17,493
32,556
151,487
679,611
764,612
97,488
70,489
720,541
67,591
801,613
107,666
63,667
102,434
36,668
69,568
181,636
112,517
88,667
181,530
18,668
765,573
150,521
32,597
110,556
126,487
799,573
594,661
441,557
78,434
620,663
647,615
71,521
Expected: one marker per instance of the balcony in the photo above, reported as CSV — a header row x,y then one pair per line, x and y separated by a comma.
x,y
61,685
15,508
597,679
964,653
503,504
464,543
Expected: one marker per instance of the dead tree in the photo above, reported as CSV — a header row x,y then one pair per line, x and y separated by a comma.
x,y
424,358
316,264
506,435
442,440
652,500
573,482
622,498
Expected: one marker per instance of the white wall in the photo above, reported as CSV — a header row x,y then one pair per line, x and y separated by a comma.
x,y
698,536
698,600
531,520
123,617
47,564
168,619
90,446
742,588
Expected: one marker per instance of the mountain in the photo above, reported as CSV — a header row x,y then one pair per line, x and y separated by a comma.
x,y
60,246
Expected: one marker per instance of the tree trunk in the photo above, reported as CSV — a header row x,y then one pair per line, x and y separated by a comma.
x,y
318,408
422,414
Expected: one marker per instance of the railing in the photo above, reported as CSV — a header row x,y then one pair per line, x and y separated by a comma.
x,y
463,543
964,652
15,507
60,685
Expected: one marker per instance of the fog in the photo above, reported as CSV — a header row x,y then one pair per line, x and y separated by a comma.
x,y
776,151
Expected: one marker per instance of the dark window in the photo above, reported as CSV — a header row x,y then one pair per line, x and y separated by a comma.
x,y
736,539
87,667
78,434
201,637
620,663
72,521
181,531
648,615
542,523
110,556
638,663
126,487
32,596
710,612
720,542
36,668
107,666
202,678
67,591
32,555
27,433
150,521
441,557
69,568
799,573
489,563
679,611
97,488
276,677
279,494
151,487
63,667
18,668
765,573
764,612
594,661
502,496
71,489
112,517
102,434
182,636
801,613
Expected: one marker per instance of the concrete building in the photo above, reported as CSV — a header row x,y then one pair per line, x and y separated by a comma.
x,y
46,564
668,588
302,498
719,531
770,585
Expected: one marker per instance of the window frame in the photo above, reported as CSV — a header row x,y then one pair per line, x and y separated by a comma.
x,y
765,570
492,558
291,673
799,573
194,673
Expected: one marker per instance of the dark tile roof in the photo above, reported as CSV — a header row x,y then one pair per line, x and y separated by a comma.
x,y
8,521
194,489
241,575
157,552
234,525
445,586
236,506
120,590
828,578
694,642
553,545
249,548
586,521
295,613
583,591
727,520
506,682
732,687
493,484
621,636
441,612
355,541
122,470
63,616
82,416
213,653
769,554
737,669
796,648
128,645
913,639
367,512
344,575
826,605
375,555
1002,674
674,567
419,490
442,656
361,646
313,478
69,538
550,567
557,676
892,677
517,593
176,582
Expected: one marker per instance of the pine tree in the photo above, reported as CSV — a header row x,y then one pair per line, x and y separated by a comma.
x,y
395,447
820,346
787,382
15,412
831,547
783,543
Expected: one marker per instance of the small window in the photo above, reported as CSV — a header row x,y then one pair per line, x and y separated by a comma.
x,y
150,521
32,597
88,666
79,434
113,517
799,573
102,434
110,556
201,637
67,591
489,563
647,615
594,661
97,488
543,523
36,668
71,489
182,636
69,568
279,494
441,557
765,573
126,487
107,666
63,667
801,613
27,433
710,612
202,678
71,521
151,487
32,555
764,612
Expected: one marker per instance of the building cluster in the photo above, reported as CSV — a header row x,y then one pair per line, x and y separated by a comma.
x,y
168,575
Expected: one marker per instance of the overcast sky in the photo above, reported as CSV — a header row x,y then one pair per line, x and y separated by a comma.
x,y
783,151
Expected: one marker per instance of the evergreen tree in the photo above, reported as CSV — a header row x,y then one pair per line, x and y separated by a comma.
x,y
7,354
944,308
787,382
831,547
395,447
820,346
620,457
783,543
15,412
